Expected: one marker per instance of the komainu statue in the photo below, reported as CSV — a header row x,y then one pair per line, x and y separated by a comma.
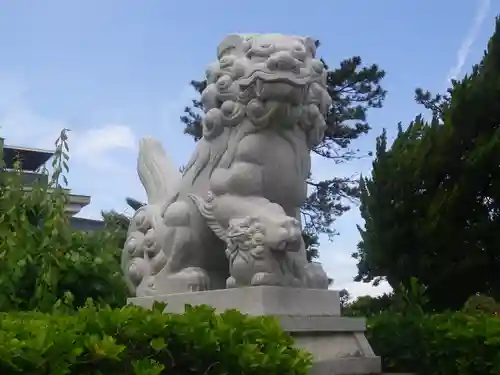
x,y
232,219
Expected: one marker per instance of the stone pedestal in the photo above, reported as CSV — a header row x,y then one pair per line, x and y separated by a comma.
x,y
311,316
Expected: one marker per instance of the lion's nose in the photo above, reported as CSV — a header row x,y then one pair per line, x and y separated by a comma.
x,y
283,61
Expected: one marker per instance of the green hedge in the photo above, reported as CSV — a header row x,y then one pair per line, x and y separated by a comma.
x,y
454,343
132,340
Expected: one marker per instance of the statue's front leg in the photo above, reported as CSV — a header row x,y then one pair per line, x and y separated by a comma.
x,y
186,243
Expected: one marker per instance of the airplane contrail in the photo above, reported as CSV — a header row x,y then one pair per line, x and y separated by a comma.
x,y
468,41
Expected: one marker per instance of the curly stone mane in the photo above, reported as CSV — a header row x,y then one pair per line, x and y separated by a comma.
x,y
245,237
239,98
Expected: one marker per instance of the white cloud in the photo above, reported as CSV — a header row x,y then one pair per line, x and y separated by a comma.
x,y
468,41
100,140
21,126
95,145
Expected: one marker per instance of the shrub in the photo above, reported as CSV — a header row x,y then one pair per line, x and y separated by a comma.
x,y
117,223
132,340
453,343
410,299
367,305
481,303
42,259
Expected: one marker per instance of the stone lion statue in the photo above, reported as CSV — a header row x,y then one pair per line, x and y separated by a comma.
x,y
232,218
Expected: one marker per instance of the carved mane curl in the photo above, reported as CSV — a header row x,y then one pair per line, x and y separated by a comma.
x,y
237,101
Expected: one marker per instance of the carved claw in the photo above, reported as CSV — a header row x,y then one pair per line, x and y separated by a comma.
x,y
147,287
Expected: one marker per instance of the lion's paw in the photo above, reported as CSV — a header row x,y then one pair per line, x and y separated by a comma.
x,y
191,279
264,278
231,283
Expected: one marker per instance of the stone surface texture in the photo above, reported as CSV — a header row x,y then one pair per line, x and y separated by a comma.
x,y
311,316
269,300
232,218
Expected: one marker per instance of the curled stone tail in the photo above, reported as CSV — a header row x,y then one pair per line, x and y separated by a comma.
x,y
157,173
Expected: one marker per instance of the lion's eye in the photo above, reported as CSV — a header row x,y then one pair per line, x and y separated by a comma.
x,y
258,59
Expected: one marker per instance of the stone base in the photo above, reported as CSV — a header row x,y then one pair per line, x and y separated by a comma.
x,y
311,316
260,300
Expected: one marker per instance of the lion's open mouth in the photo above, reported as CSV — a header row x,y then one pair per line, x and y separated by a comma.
x,y
290,78
283,86
286,245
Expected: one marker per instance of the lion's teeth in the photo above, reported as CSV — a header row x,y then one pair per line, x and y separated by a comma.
x,y
259,86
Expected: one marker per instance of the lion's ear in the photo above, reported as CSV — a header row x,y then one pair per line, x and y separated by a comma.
x,y
230,43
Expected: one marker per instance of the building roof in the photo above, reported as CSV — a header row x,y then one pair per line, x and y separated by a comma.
x,y
76,202
31,158
86,225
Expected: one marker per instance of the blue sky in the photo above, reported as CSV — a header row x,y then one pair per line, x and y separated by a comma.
x,y
115,71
